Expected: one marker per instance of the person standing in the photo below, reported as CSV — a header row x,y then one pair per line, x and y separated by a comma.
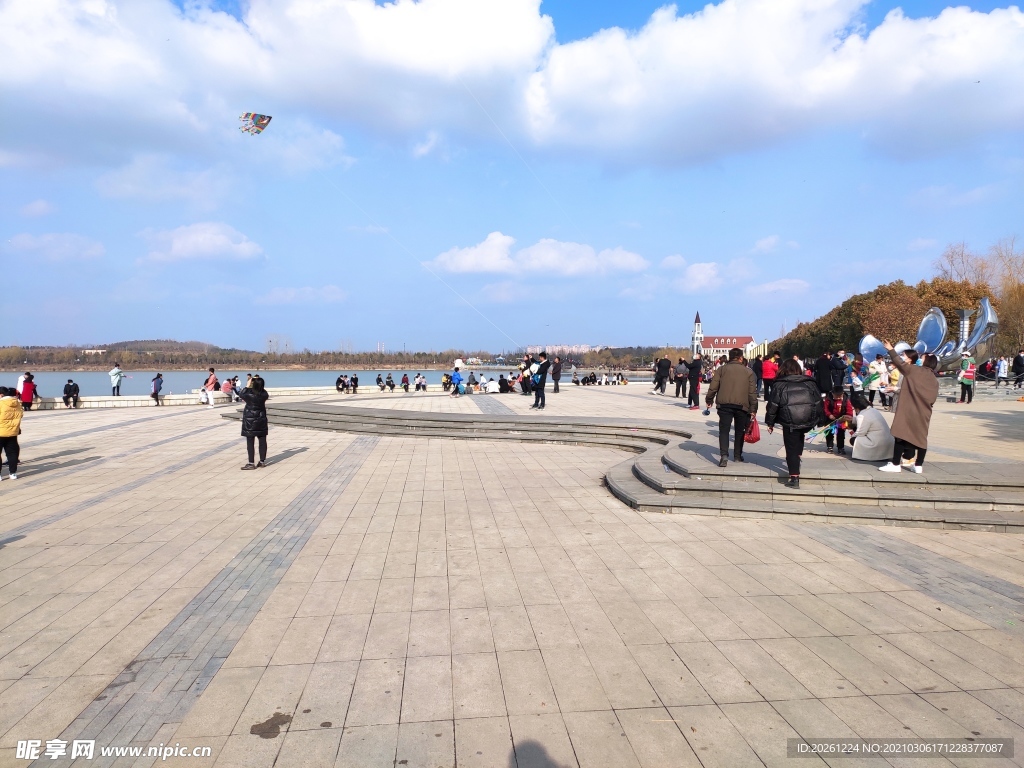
x,y
155,386
71,391
116,376
769,370
662,372
796,406
21,382
838,409
823,372
211,386
682,373
757,366
456,382
919,389
556,373
694,369
968,372
10,428
254,421
877,375
734,388
540,380
837,367
29,392
1003,371
1018,370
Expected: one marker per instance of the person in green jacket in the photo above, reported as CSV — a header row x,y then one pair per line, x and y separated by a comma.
x,y
968,371
116,375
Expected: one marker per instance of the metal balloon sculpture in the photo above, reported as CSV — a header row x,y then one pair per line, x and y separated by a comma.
x,y
931,336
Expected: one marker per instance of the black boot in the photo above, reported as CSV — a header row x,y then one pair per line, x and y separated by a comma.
x,y
724,461
793,482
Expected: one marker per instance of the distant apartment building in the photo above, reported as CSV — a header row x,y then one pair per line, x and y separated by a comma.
x,y
94,351
564,350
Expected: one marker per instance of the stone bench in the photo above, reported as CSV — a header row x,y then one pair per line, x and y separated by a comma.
x,y
133,401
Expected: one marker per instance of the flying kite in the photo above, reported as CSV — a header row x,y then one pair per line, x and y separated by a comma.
x,y
253,123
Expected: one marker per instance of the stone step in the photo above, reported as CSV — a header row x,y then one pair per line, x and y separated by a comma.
x,y
656,473
759,467
629,489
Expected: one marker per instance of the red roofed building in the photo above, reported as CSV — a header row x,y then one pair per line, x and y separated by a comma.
x,y
715,345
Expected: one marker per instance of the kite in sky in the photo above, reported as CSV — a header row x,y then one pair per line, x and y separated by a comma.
x,y
253,123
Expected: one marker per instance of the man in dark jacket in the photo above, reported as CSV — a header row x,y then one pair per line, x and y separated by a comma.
x,y
662,367
694,369
71,391
823,373
682,372
838,369
1018,370
556,373
735,389
538,388
758,368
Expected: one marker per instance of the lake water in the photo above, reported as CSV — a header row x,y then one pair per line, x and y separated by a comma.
x,y
91,383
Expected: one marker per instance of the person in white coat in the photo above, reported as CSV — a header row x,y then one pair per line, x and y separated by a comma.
x,y
872,440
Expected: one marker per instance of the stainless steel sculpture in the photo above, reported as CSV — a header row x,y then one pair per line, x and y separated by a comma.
x,y
931,336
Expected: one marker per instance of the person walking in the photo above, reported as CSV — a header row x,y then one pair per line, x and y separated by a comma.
x,y
682,373
211,386
116,376
735,389
254,421
556,373
968,372
10,428
796,406
540,380
694,370
757,366
769,371
664,370
456,382
919,389
71,391
1018,370
29,392
155,386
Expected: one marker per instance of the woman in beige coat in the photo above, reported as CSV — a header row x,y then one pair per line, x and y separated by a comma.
x,y
918,392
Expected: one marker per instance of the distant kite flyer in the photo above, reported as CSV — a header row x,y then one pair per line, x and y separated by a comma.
x,y
253,123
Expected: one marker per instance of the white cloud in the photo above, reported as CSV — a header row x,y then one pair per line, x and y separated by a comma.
x,y
492,255
673,262
428,145
152,178
55,247
37,208
328,294
546,256
785,285
703,276
921,244
205,241
766,244
738,75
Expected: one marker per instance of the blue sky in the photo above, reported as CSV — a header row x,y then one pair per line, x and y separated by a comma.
x,y
491,173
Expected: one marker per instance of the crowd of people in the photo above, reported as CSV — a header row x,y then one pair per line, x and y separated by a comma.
x,y
835,396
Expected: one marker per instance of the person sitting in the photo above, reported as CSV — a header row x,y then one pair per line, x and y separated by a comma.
x,y
838,409
871,439
380,381
575,378
71,391
390,383
339,383
502,384
492,386
405,382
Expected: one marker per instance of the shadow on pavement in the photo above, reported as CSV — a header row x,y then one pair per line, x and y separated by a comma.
x,y
531,754
286,454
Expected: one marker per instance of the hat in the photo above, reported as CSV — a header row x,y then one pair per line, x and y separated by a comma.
x,y
965,354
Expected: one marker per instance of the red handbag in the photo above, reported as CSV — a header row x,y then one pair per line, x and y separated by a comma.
x,y
753,431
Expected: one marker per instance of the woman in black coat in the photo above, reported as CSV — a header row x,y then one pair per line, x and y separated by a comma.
x,y
795,404
254,421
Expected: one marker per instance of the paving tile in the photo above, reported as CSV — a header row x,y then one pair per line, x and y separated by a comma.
x,y
713,738
484,742
541,741
576,685
525,684
656,739
372,746
477,686
722,681
427,693
377,695
430,744
325,699
599,739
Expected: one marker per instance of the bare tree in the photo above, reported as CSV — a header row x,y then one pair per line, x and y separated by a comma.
x,y
960,264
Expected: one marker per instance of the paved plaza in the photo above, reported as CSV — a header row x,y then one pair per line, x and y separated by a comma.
x,y
372,600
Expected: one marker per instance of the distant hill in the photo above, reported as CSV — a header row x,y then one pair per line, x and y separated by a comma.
x,y
892,311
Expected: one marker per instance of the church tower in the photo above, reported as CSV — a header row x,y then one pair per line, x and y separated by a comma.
x,y
697,342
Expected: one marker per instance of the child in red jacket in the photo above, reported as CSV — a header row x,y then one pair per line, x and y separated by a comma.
x,y
838,406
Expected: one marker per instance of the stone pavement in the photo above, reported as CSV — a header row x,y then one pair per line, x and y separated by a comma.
x,y
381,601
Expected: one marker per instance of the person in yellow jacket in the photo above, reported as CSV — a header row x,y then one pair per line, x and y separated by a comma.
x,y
10,428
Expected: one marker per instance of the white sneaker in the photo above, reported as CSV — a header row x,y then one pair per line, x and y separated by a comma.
x,y
918,470
14,476
890,468
209,406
